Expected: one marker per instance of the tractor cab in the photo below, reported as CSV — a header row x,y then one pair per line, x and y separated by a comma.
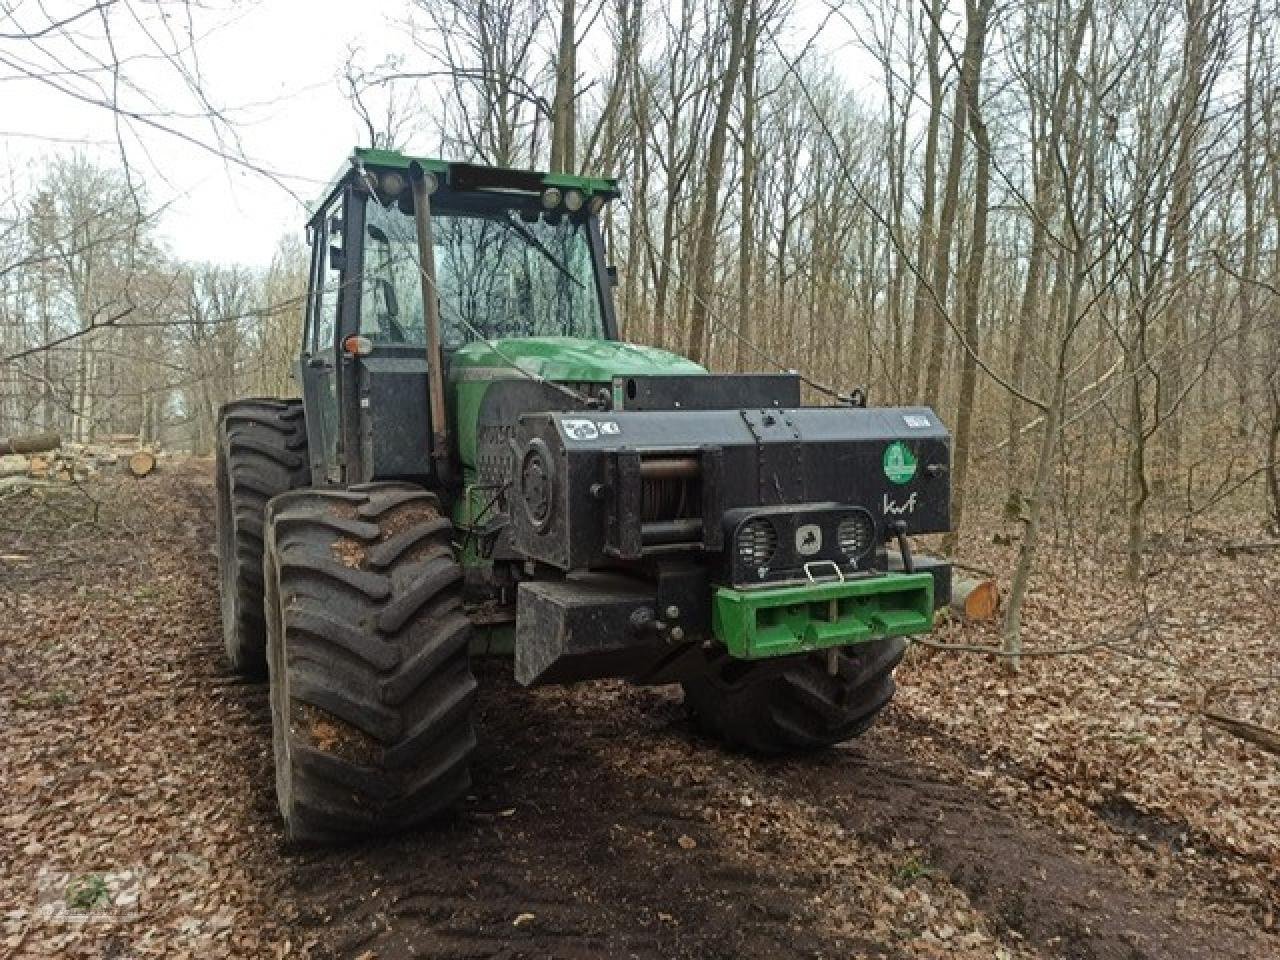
x,y
509,263
512,256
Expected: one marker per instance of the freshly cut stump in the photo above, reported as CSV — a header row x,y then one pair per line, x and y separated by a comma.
x,y
371,682
794,704
262,451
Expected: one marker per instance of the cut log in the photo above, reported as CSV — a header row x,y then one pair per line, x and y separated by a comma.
x,y
12,484
1231,549
975,600
141,463
31,443
39,467
14,466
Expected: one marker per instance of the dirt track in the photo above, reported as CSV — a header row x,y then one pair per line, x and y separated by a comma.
x,y
600,825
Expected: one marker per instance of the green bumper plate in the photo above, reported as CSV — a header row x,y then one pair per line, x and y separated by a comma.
x,y
778,621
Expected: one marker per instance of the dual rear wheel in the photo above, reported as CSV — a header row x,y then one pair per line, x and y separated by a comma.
x,y
261,452
350,601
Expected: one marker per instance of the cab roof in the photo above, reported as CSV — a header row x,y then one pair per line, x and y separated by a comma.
x,y
468,176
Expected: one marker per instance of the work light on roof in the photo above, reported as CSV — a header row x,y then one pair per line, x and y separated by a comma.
x,y
392,184
551,198
573,200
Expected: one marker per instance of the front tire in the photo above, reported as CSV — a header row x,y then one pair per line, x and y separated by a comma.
x,y
261,452
794,704
371,682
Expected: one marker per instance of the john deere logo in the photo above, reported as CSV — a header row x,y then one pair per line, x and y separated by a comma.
x,y
899,464
808,539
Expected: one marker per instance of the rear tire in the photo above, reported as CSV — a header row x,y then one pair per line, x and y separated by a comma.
x,y
793,704
261,452
371,682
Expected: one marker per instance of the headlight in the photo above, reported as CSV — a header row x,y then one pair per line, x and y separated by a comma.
x,y
596,204
573,200
756,543
551,198
856,535
393,184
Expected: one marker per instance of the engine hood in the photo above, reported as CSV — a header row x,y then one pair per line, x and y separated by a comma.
x,y
564,359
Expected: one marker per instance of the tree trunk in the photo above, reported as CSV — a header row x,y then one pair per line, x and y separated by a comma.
x,y
941,273
705,241
1190,107
977,12
1031,298
1012,638
1136,478
563,126
922,308
1249,266
746,232
1273,456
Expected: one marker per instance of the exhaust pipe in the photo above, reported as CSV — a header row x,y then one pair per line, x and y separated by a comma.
x,y
441,454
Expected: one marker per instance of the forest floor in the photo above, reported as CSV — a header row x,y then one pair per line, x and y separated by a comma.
x,y
1081,808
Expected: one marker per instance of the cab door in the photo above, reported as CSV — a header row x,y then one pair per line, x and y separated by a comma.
x,y
318,361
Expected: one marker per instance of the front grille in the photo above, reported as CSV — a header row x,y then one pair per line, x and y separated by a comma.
x,y
779,544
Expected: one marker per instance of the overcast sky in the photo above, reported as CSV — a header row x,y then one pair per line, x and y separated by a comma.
x,y
274,65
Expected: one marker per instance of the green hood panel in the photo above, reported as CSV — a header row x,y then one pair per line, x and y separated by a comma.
x,y
477,366
565,359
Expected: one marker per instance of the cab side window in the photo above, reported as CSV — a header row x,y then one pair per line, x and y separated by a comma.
x,y
328,277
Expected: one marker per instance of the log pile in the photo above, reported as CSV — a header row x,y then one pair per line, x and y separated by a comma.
x,y
44,460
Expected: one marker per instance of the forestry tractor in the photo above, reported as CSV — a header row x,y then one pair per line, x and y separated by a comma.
x,y
480,465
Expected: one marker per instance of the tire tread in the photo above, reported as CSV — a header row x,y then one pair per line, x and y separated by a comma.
x,y
261,452
794,705
376,643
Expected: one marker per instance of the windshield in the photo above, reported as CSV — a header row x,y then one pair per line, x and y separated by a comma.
x,y
498,274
